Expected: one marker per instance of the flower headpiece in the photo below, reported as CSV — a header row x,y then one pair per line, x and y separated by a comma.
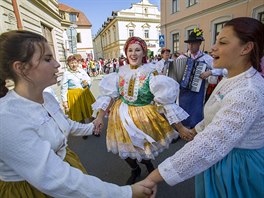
x,y
137,40
195,36
198,32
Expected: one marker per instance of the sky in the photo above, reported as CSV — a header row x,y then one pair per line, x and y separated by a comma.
x,y
97,11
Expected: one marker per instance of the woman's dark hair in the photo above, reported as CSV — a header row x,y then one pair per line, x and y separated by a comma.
x,y
17,45
250,30
3,89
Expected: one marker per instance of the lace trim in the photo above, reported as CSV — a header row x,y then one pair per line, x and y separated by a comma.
x,y
128,150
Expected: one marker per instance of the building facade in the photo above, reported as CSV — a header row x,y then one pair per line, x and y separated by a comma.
x,y
39,16
178,17
77,33
141,19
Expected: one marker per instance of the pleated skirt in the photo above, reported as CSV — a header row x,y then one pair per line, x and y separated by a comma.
x,y
148,120
22,189
239,174
80,104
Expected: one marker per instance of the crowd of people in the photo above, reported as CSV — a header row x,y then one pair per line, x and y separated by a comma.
x,y
213,102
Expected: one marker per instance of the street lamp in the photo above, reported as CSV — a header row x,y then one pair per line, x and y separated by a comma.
x,y
72,34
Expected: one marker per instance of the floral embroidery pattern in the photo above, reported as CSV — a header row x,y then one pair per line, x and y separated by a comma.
x,y
121,86
142,79
219,95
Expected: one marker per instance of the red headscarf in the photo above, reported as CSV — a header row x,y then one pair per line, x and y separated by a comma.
x,y
141,42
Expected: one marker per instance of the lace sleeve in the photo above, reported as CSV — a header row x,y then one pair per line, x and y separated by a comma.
x,y
232,121
108,89
165,91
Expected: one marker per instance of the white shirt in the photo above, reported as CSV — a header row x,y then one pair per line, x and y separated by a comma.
x,y
162,66
73,80
233,118
33,141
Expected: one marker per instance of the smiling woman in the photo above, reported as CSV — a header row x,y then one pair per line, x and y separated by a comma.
x,y
136,96
227,154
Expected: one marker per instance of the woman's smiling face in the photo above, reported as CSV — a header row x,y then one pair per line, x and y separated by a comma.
x,y
135,54
228,50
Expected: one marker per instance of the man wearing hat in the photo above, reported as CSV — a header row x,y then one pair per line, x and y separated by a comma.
x,y
192,102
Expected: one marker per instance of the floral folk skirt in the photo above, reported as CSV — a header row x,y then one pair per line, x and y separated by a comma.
x,y
80,104
239,174
147,119
22,189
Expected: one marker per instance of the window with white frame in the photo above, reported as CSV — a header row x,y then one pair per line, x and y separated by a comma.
x,y
47,33
146,34
109,36
258,13
191,2
131,33
114,32
217,28
73,17
176,42
261,17
175,6
79,39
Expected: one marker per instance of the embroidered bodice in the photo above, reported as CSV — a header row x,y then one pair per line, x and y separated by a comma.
x,y
140,87
134,87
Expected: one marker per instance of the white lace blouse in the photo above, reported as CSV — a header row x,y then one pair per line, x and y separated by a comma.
x,y
33,141
233,118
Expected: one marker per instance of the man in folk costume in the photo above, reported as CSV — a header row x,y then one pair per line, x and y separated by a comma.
x,y
189,100
163,65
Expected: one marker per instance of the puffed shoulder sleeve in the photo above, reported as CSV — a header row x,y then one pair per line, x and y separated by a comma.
x,y
165,91
108,90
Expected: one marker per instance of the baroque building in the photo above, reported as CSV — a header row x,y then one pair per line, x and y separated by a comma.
x,y
141,19
77,34
179,17
40,16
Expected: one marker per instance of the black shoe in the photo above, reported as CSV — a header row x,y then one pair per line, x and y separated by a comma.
x,y
96,135
134,174
85,137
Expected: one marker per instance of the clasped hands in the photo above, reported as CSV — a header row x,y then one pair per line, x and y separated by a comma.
x,y
98,125
185,133
144,189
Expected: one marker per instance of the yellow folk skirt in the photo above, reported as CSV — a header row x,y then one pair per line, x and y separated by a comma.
x,y
80,104
23,189
148,120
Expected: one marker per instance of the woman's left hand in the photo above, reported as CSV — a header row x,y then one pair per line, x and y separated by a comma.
x,y
98,125
187,134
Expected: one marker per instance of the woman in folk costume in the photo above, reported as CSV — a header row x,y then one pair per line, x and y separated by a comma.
x,y
75,92
227,154
136,130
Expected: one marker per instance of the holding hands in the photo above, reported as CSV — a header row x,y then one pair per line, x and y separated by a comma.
x,y
98,124
185,133
145,188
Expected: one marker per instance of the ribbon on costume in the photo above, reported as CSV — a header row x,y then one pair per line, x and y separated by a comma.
x,y
138,137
